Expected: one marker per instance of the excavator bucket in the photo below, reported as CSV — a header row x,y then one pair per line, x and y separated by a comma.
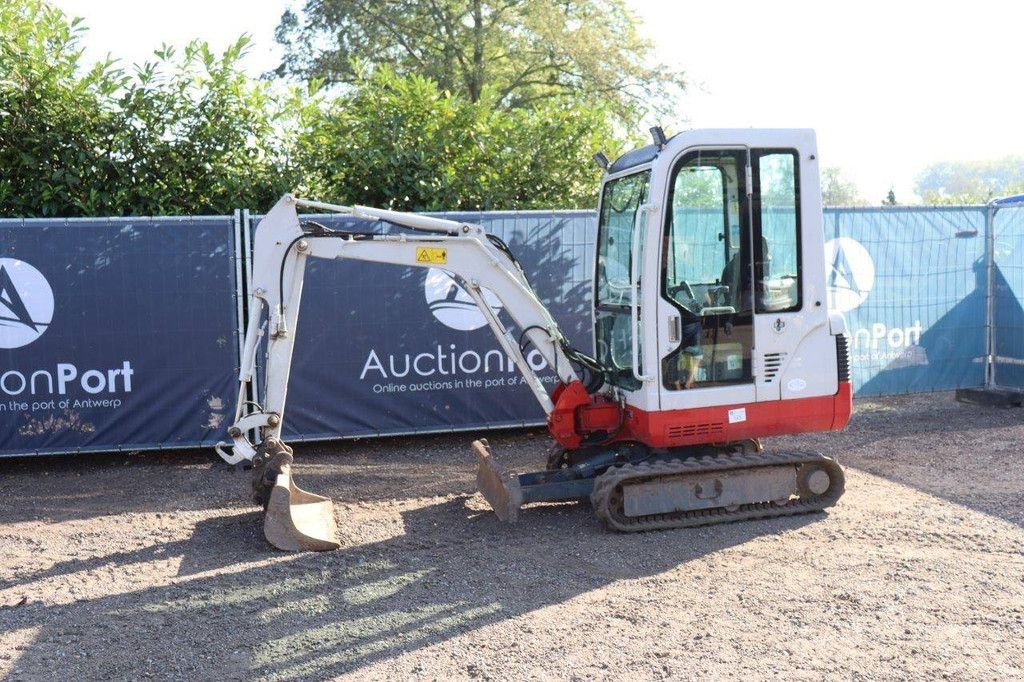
x,y
298,520
500,488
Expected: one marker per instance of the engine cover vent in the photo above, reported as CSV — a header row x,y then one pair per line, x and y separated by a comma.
x,y
705,433
772,364
843,357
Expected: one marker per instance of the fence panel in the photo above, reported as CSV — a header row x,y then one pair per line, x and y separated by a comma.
x,y
116,334
122,333
1007,294
412,355
911,282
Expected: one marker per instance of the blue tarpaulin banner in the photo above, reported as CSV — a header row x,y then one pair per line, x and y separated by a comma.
x,y
122,333
911,283
116,334
1008,293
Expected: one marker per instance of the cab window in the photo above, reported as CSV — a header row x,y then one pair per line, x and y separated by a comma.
x,y
619,217
777,224
706,272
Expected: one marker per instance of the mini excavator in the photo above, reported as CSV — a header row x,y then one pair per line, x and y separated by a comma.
x,y
711,332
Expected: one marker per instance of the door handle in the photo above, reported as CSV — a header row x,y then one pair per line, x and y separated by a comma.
x,y
675,328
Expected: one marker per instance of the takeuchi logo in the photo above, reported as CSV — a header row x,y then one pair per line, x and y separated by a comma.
x,y
851,273
26,303
451,305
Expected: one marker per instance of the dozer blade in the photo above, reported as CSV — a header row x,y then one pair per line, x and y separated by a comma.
x,y
500,488
298,520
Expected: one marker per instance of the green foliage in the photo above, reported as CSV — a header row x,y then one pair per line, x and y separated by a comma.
x,y
836,190
190,134
402,142
970,182
51,118
195,135
524,52
890,198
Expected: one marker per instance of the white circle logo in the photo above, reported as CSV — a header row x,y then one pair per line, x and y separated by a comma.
x,y
26,303
851,273
451,305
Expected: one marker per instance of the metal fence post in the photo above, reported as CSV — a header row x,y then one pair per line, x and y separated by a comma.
x,y
990,262
245,230
239,284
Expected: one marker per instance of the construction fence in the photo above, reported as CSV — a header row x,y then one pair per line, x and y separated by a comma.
x,y
124,334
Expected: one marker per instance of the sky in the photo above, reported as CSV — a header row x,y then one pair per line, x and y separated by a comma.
x,y
890,87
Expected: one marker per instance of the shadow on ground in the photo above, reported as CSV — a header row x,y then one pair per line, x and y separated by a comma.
x,y
966,454
453,570
89,485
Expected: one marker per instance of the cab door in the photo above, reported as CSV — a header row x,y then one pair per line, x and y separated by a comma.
x,y
734,327
706,305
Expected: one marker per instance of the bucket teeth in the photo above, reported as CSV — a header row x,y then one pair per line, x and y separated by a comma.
x,y
499,487
297,520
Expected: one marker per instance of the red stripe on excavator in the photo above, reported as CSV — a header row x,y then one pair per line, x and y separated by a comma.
x,y
701,425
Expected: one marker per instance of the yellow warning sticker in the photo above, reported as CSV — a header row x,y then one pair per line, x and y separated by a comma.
x,y
431,255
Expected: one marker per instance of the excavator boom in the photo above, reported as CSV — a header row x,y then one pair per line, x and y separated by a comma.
x,y
296,519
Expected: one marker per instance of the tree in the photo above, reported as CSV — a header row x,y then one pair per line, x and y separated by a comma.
x,y
51,117
191,133
890,198
970,182
188,133
837,190
194,134
404,143
523,52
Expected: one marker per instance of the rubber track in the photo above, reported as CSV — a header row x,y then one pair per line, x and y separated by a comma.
x,y
616,519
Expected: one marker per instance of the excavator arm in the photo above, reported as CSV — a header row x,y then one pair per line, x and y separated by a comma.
x,y
297,519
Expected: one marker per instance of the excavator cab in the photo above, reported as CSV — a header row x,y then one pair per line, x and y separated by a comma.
x,y
710,292
711,332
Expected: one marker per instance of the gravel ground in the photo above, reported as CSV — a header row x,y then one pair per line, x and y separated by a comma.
x,y
153,565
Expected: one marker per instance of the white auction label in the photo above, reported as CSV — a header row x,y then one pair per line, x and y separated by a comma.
x,y
738,415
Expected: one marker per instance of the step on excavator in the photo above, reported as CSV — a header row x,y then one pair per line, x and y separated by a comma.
x,y
711,332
